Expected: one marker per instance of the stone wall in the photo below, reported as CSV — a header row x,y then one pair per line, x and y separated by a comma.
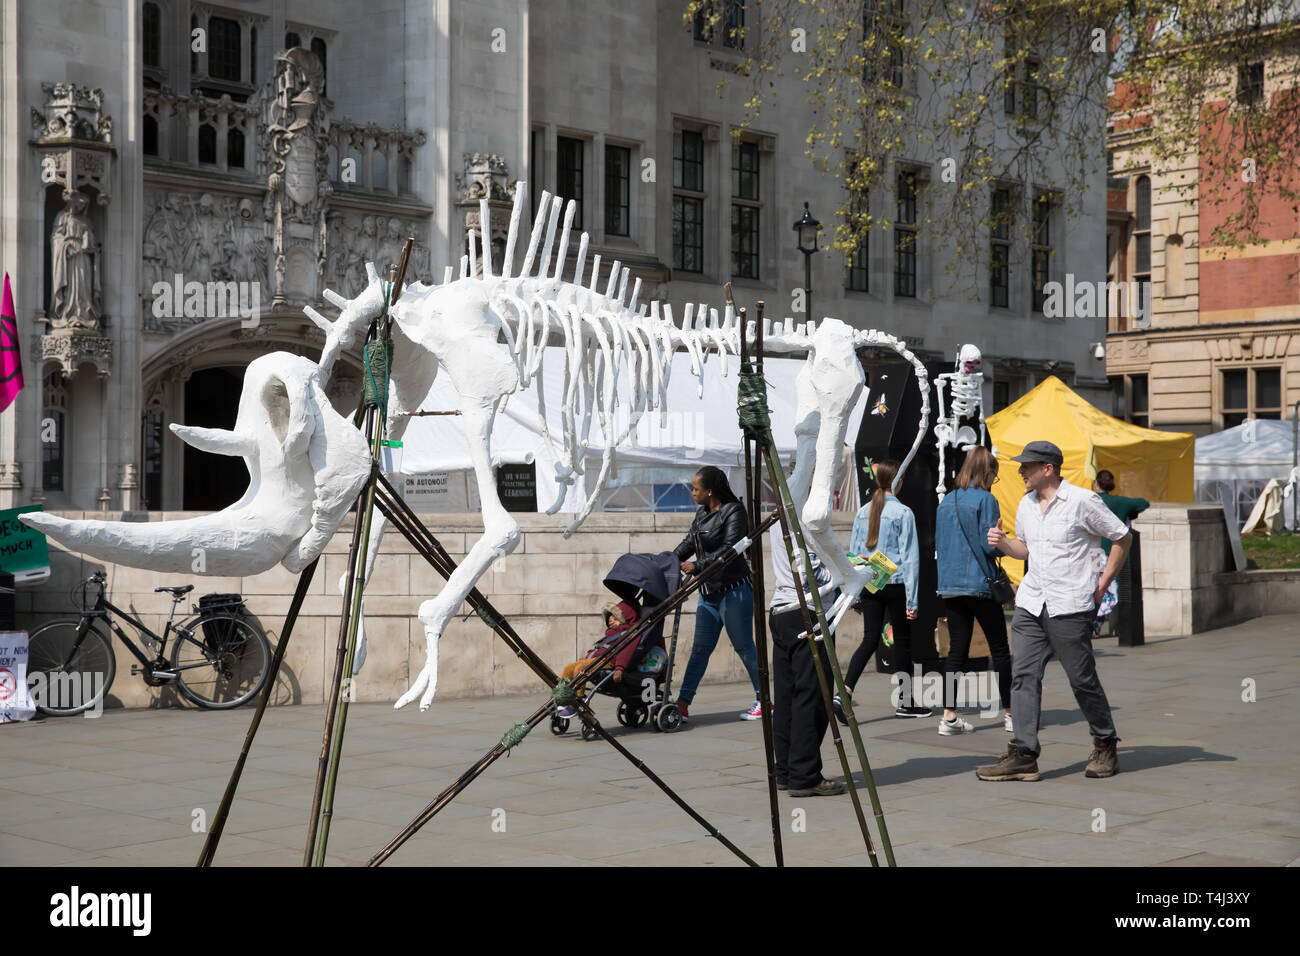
x,y
550,589
1189,581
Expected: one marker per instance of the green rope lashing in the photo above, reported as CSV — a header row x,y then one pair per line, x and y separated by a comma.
x,y
514,737
379,359
751,405
563,693
488,618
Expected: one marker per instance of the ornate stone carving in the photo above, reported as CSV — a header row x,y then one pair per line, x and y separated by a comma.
x,y
296,125
73,111
71,348
76,296
485,177
202,238
11,476
74,139
286,238
355,239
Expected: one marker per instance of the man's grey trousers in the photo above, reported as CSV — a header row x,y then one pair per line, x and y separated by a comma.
x,y
1069,637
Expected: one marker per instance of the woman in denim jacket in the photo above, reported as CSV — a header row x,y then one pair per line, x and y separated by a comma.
x,y
965,561
885,523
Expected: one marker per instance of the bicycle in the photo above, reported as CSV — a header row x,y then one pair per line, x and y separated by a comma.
x,y
219,659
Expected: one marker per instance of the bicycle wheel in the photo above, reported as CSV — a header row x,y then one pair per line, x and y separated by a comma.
x,y
67,674
221,661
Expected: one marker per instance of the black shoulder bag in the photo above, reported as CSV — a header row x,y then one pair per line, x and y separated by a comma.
x,y
998,582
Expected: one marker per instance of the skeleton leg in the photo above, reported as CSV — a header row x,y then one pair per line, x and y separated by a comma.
x,y
943,429
500,537
835,380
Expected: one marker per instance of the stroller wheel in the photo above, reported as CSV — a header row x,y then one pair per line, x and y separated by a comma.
x,y
559,725
654,717
669,718
639,715
588,731
624,716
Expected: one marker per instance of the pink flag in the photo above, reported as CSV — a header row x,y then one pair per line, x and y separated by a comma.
x,y
11,360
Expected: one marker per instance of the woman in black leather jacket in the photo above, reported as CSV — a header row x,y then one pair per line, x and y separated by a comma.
x,y
728,598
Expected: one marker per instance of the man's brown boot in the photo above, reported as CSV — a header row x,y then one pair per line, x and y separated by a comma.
x,y
1104,762
1016,765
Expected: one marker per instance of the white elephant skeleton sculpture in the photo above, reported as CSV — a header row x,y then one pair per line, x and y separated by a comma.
x,y
613,352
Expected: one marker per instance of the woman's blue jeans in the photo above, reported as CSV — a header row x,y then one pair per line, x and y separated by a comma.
x,y
735,609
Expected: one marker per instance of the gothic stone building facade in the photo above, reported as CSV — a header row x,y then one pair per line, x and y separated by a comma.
x,y
179,178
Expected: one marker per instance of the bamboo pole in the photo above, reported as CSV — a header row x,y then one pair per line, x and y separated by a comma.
x,y
354,619
754,478
814,648
877,811
354,589
227,798
340,658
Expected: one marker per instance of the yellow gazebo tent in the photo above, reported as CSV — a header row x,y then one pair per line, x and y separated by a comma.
x,y
1147,463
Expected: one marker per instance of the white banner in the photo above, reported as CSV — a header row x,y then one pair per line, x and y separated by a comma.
x,y
15,701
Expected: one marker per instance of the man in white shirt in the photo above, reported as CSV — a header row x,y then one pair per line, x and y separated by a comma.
x,y
799,718
1058,527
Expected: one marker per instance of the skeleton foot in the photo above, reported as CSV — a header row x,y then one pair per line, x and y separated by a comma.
x,y
426,683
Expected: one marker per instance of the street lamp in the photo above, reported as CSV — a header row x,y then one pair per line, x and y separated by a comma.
x,y
806,229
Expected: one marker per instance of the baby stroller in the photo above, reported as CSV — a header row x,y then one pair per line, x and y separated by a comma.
x,y
643,581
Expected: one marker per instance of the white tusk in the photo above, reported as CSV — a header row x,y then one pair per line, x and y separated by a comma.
x,y
334,299
323,323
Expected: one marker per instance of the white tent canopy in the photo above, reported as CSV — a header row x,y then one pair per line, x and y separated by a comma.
x,y
1241,461
1254,449
694,430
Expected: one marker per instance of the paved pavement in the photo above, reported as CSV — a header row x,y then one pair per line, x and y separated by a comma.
x,y
1207,779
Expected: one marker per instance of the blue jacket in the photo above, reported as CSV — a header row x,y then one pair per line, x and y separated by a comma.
x,y
960,571
897,539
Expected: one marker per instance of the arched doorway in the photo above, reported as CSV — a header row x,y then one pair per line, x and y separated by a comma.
x,y
212,401
197,380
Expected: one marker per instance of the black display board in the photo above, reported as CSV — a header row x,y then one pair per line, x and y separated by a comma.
x,y
888,430
517,487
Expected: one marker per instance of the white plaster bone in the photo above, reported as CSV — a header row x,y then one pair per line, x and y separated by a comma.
x,y
305,479
614,358
306,465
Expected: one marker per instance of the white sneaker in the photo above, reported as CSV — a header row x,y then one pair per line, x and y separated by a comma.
x,y
1006,723
956,726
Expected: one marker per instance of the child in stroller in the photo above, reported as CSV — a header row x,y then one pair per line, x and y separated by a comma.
x,y
640,674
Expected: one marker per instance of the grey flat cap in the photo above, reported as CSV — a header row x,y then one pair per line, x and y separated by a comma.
x,y
1041,451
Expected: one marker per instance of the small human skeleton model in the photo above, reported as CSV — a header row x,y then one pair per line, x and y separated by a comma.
x,y
967,384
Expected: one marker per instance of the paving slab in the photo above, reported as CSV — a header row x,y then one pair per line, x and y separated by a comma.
x,y
1206,780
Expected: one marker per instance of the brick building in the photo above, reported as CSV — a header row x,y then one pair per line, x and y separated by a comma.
x,y
1219,340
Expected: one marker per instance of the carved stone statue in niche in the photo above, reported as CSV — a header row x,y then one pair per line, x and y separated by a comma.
x,y
252,245
485,177
296,124
76,295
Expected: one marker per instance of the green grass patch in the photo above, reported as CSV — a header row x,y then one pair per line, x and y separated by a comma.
x,y
1273,551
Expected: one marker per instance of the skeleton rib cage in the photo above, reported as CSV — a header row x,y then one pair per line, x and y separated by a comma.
x,y
608,337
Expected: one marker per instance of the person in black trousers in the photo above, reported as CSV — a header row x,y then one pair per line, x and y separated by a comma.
x,y
966,562
887,524
799,718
